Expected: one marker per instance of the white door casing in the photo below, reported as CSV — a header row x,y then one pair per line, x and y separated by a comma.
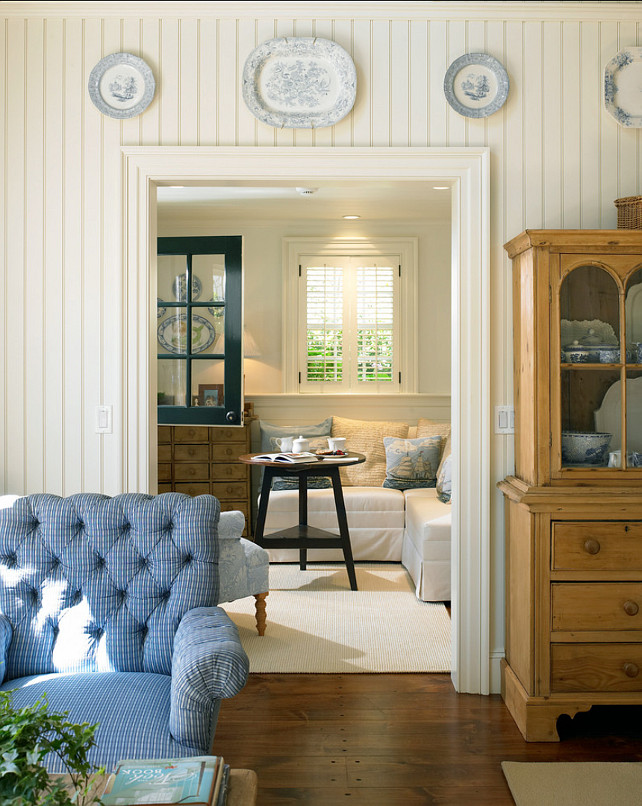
x,y
467,169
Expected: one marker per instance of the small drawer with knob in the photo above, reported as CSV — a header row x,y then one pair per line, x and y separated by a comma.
x,y
596,667
596,606
191,472
596,546
191,453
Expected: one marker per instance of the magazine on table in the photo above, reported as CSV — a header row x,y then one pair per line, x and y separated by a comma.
x,y
194,780
305,456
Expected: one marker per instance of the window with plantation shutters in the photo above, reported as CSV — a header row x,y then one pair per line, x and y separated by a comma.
x,y
349,307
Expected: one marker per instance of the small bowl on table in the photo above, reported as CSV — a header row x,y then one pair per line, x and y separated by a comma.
x,y
585,448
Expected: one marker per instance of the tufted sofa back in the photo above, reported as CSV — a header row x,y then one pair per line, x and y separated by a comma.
x,y
92,583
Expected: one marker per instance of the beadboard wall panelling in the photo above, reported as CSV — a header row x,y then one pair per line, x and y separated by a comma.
x,y
557,160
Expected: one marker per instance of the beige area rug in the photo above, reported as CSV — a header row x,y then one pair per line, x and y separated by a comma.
x,y
575,783
317,625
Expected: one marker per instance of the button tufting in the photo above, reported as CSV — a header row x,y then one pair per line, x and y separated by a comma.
x,y
77,597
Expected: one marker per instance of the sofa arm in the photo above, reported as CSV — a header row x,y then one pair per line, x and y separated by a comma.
x,y
6,631
208,664
231,525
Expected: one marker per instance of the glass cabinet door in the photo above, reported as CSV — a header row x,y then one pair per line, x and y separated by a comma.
x,y
199,330
601,354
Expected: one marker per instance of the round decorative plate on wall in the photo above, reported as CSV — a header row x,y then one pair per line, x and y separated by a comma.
x,y
476,85
121,85
299,82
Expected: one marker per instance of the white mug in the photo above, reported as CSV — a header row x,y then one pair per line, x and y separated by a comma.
x,y
337,443
300,445
285,444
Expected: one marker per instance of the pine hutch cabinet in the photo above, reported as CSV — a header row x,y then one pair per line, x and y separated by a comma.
x,y
574,506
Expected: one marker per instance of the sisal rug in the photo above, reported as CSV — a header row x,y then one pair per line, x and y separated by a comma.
x,y
575,783
317,625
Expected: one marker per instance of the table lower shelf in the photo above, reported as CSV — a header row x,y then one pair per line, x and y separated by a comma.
x,y
302,536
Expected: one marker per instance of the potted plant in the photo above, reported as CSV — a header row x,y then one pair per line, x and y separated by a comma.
x,y
27,735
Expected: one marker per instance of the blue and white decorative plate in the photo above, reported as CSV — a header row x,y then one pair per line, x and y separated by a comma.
x,y
622,87
121,85
180,287
161,309
476,85
172,334
299,82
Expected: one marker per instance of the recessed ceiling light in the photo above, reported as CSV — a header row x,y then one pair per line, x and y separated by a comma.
x,y
351,217
440,187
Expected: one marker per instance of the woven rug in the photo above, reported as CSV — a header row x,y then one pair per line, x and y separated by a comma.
x,y
317,625
575,783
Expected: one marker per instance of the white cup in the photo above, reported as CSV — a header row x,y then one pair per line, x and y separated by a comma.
x,y
285,444
337,443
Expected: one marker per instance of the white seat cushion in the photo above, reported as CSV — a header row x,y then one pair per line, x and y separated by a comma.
x,y
375,520
426,544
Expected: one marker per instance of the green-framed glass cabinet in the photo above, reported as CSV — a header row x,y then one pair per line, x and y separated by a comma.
x,y
199,312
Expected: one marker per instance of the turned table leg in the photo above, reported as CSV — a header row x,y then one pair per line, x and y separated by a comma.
x,y
260,612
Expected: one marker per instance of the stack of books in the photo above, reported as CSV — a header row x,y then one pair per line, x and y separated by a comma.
x,y
195,780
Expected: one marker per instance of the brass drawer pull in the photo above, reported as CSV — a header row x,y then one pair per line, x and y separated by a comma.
x,y
592,546
631,608
191,451
631,669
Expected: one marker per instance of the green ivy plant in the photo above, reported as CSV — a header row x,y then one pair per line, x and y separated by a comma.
x,y
26,736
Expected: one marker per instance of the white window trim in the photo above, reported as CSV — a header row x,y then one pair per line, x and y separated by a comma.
x,y
293,251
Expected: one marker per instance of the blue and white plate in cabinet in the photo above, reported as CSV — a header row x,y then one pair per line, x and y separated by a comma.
x,y
172,334
299,82
622,87
476,85
121,85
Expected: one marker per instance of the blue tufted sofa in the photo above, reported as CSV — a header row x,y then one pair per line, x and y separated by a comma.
x,y
106,605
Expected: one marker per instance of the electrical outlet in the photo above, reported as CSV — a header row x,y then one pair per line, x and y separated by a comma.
x,y
504,420
104,419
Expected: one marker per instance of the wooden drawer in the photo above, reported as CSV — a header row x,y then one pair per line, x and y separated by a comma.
x,y
228,453
229,490
596,667
190,433
164,488
191,472
191,453
222,434
597,546
195,488
597,606
164,472
164,433
228,472
164,453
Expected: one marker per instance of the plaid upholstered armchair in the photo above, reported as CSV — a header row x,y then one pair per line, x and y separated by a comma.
x,y
106,605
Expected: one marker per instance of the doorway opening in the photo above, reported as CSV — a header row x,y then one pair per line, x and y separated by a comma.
x,y
466,172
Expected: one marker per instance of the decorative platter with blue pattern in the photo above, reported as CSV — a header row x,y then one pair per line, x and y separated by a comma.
x,y
121,85
622,87
299,82
476,85
172,334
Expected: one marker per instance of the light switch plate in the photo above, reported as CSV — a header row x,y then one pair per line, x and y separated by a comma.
x,y
504,420
104,419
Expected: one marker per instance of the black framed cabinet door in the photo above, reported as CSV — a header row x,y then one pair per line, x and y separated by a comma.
x,y
199,312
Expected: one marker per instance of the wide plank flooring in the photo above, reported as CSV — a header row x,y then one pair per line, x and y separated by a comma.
x,y
398,740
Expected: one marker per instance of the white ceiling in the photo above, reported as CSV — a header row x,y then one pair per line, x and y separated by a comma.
x,y
386,200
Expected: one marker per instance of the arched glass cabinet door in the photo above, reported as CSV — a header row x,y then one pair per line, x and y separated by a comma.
x,y
199,330
591,363
633,327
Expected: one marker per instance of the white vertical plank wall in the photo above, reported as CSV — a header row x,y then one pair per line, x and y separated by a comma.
x,y
557,160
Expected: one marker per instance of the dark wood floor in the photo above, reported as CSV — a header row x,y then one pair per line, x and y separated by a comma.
x,y
398,740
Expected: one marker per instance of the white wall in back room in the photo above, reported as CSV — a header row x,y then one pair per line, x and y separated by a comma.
x,y
263,300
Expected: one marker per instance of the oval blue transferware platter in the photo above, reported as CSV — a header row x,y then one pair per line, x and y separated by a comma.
x,y
299,82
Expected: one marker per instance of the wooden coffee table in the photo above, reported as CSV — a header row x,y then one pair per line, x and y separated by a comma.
x,y
303,536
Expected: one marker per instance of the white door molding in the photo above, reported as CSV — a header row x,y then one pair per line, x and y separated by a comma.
x,y
467,169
